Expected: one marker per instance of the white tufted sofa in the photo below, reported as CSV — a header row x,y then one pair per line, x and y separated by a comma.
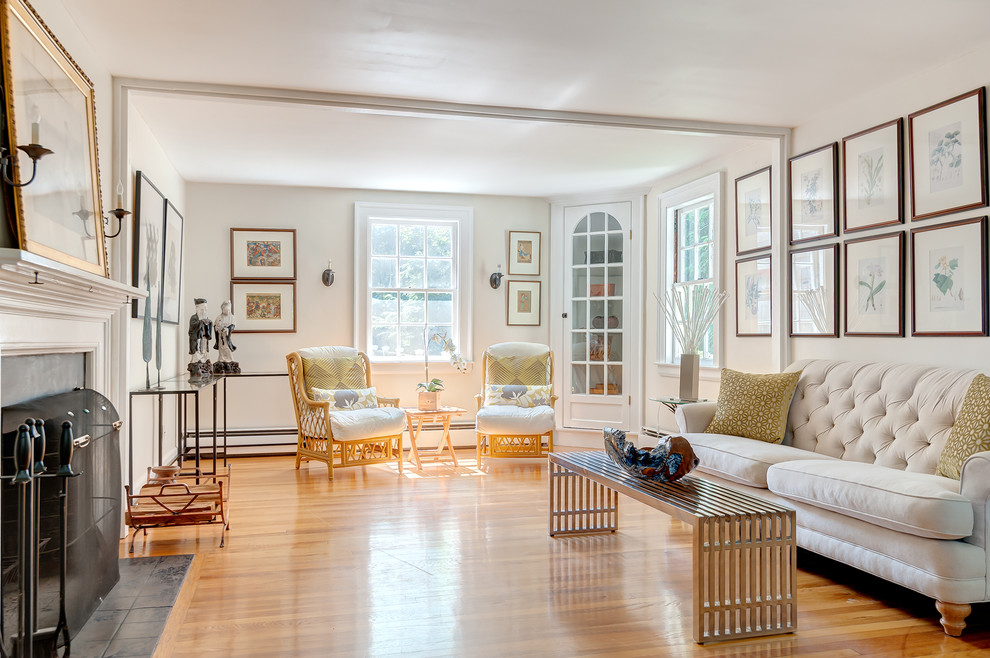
x,y
858,464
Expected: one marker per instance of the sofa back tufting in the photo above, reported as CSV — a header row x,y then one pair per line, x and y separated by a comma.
x,y
891,414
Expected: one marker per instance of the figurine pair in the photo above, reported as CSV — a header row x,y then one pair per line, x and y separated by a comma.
x,y
201,330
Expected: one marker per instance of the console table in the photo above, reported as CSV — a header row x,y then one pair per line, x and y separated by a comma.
x,y
744,557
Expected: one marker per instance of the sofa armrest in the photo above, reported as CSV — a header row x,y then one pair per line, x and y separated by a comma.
x,y
974,484
694,417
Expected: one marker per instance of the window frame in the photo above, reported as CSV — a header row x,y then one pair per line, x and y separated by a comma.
x,y
463,217
708,188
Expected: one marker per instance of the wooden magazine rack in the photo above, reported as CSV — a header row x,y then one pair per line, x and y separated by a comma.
x,y
190,498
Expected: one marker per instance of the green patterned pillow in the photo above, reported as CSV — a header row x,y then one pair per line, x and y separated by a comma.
x,y
518,395
347,398
754,406
971,431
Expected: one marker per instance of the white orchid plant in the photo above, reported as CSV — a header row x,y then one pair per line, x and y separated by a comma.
x,y
690,314
456,360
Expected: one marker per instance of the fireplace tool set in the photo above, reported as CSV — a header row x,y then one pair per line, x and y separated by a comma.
x,y
29,464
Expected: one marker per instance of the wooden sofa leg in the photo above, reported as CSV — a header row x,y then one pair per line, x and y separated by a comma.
x,y
953,616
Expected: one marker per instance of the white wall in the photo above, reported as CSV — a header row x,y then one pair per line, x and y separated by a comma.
x,y
324,223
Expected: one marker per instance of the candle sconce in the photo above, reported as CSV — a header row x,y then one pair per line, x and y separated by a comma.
x,y
495,280
328,274
33,151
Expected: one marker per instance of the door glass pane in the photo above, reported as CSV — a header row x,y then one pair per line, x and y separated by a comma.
x,y
613,224
614,254
596,347
596,379
614,318
579,314
615,282
582,226
580,253
597,222
579,379
579,346
614,346
615,380
596,255
596,281
579,281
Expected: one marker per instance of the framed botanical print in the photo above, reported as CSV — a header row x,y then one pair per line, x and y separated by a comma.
x,y
949,279
753,217
267,307
523,303
873,177
753,302
874,288
948,156
524,253
262,253
149,230
814,291
171,264
814,193
50,110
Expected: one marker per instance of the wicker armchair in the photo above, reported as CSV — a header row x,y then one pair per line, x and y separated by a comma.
x,y
515,408
338,430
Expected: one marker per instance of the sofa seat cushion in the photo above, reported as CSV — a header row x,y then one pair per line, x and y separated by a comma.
x,y
506,420
743,460
366,423
919,504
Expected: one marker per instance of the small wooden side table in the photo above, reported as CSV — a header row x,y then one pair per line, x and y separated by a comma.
x,y
415,419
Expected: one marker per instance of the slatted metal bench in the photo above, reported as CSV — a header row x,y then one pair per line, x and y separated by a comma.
x,y
744,547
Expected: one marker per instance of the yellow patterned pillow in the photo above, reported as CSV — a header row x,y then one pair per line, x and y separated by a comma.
x,y
525,370
971,431
331,374
347,398
754,406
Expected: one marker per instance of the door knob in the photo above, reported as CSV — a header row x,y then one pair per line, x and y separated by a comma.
x,y
564,314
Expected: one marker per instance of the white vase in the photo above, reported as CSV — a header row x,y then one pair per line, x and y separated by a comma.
x,y
689,377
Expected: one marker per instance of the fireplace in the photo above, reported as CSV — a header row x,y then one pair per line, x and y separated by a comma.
x,y
55,318
93,510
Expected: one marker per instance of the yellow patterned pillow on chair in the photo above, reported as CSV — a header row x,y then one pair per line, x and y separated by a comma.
x,y
333,374
754,406
971,431
525,370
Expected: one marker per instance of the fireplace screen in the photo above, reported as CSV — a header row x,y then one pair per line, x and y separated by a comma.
x,y
94,500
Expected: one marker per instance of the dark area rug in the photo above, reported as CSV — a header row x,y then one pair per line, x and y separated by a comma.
x,y
131,619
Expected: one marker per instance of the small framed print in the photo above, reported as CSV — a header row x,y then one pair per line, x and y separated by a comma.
x,y
873,177
523,303
814,291
753,212
263,307
524,253
948,156
262,253
172,264
949,279
875,285
814,190
753,304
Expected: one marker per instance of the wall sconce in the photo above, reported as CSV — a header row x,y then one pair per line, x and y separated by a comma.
x,y
328,274
33,151
117,212
495,280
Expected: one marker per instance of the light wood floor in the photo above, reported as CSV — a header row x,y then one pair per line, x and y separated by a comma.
x,y
457,562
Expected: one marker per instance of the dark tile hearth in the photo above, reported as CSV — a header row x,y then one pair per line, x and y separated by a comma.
x,y
131,619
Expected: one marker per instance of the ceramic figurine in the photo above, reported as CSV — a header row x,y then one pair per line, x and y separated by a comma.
x,y
223,327
200,332
672,458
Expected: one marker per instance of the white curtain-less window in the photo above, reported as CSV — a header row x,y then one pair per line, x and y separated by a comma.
x,y
411,281
690,217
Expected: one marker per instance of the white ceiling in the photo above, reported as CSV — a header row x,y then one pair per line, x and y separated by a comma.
x,y
759,62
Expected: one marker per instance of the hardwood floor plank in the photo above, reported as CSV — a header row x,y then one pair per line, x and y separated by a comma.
x,y
457,561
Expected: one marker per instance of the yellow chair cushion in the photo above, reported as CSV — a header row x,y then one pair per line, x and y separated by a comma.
x,y
754,406
520,370
333,374
971,431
